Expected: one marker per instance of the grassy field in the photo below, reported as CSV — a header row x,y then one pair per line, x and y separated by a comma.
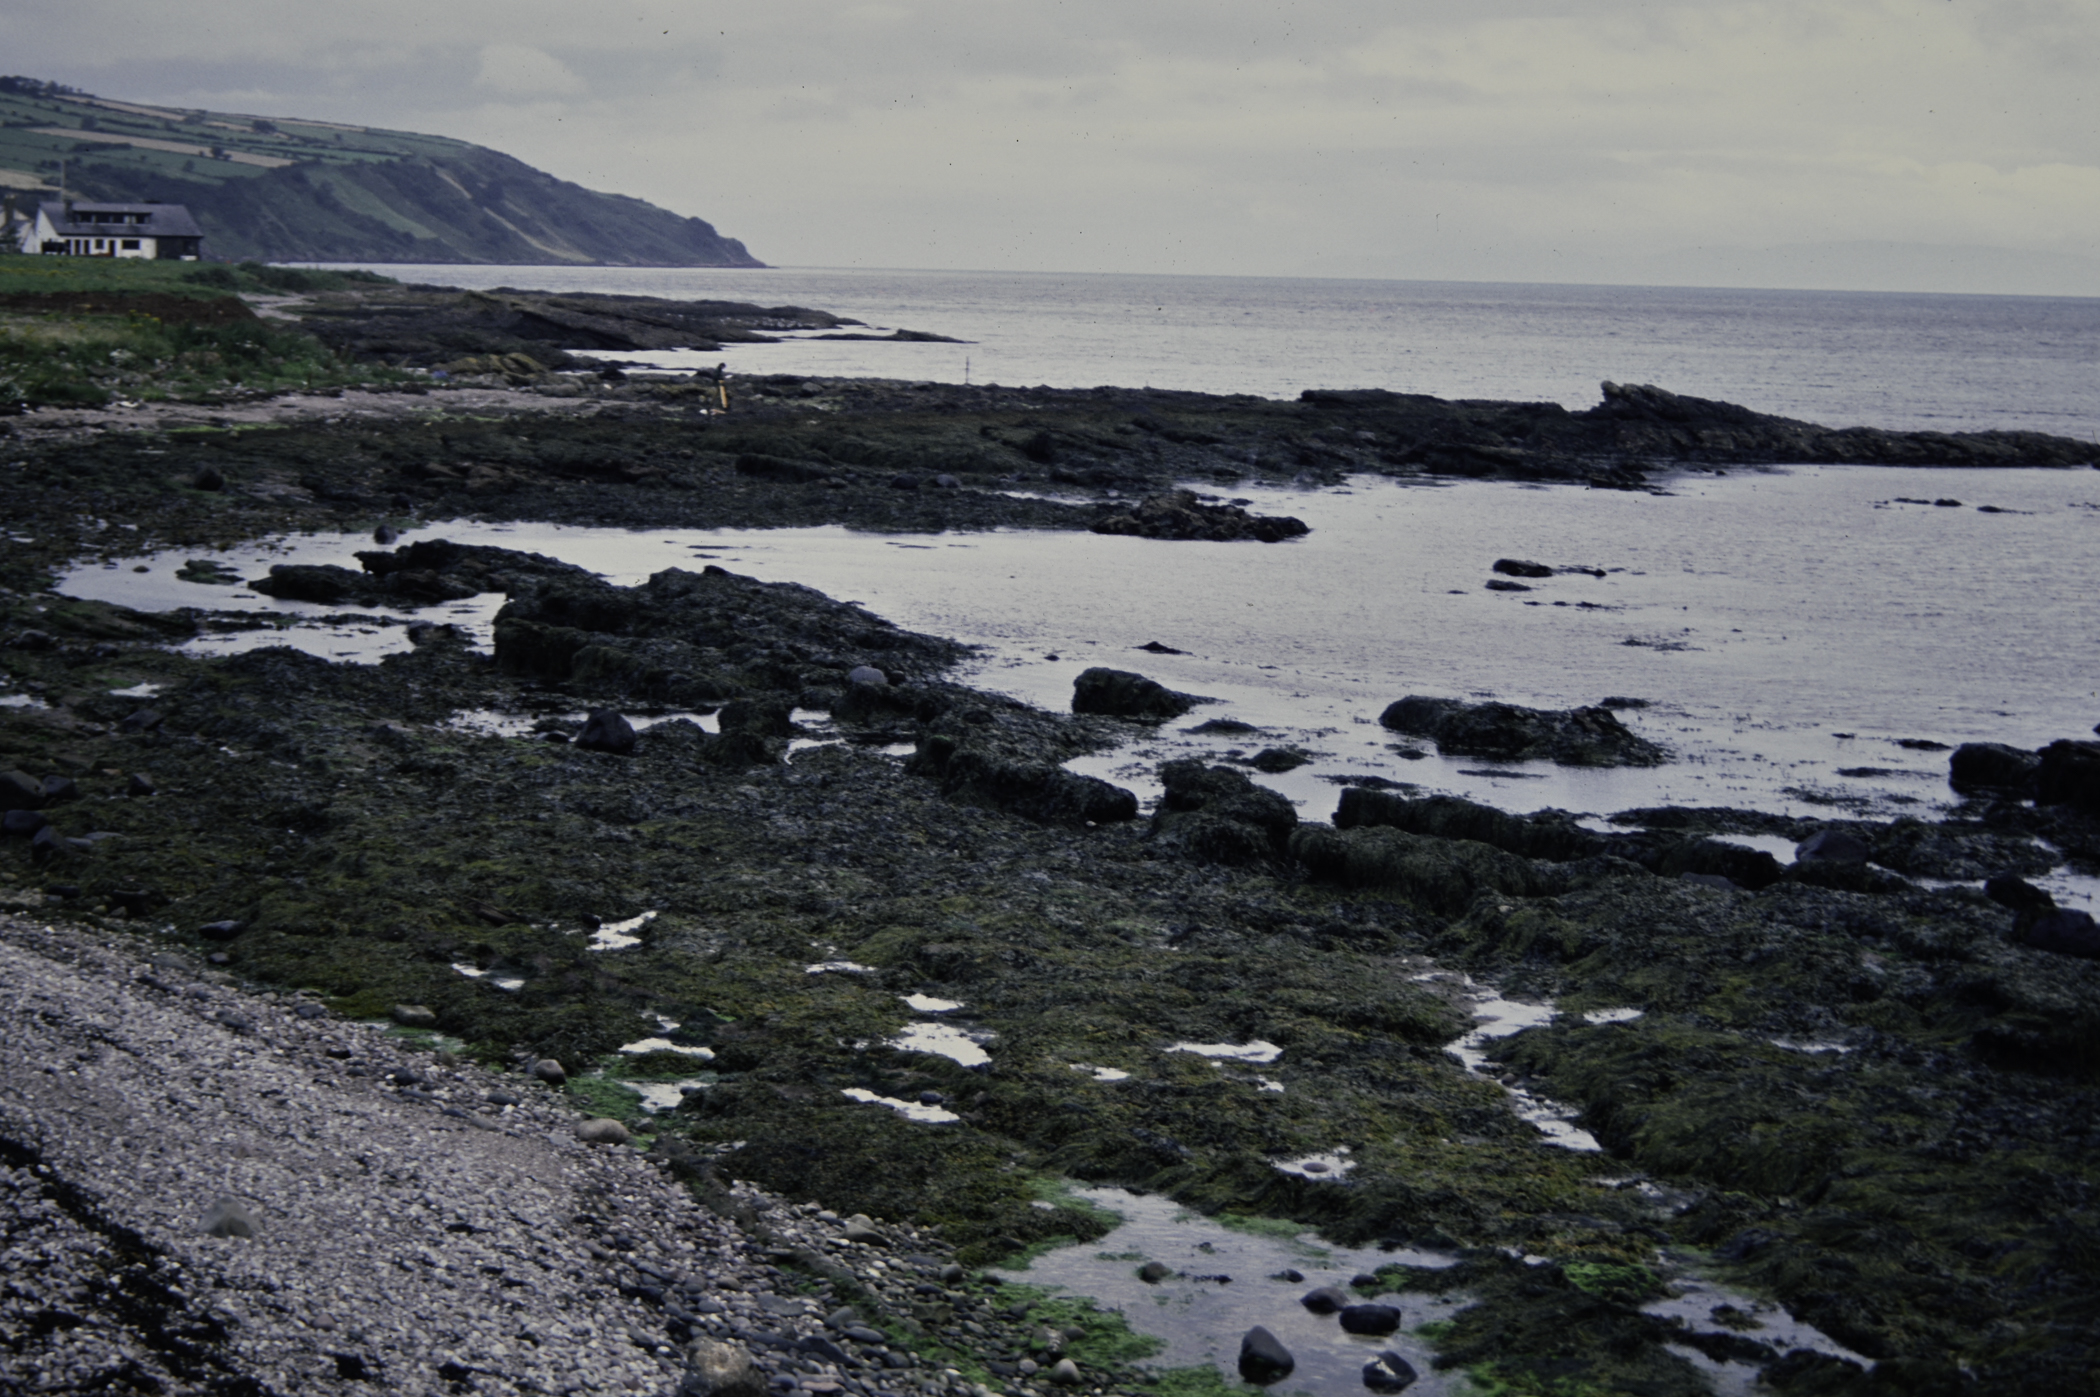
x,y
137,276
155,336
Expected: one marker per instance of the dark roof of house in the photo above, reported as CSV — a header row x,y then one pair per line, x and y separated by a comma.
x,y
160,221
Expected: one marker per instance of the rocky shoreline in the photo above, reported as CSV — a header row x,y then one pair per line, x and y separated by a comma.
x,y
205,1188
1854,1083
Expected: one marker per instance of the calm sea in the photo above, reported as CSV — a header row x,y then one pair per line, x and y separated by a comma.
x,y
1946,363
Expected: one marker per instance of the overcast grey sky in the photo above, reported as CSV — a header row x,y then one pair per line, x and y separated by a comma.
x,y
1947,144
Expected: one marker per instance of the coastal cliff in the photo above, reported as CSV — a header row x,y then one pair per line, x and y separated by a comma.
x,y
286,190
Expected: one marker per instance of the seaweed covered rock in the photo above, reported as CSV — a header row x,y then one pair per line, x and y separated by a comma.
x,y
1553,835
1506,732
1216,814
1035,790
1178,514
1120,693
1546,835
701,637
1442,875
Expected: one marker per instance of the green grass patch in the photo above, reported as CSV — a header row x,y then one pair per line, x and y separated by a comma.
x,y
141,276
1199,1381
602,1096
1496,1380
1109,1340
1615,1281
90,360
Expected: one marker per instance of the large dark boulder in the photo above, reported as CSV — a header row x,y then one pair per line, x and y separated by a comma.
x,y
19,791
2069,774
1506,732
1263,1358
1389,1372
2023,897
1377,1320
1119,693
607,731
2063,931
1220,816
1990,768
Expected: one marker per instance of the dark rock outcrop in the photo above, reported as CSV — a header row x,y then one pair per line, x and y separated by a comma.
x,y
1119,693
2063,931
1032,789
423,573
1219,816
1506,732
1178,514
697,638
2068,773
1990,768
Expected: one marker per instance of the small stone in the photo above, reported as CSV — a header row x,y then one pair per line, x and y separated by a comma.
x,y
140,784
716,1369
415,1015
868,675
309,1010
550,1072
220,931
861,1228
1263,1358
58,788
951,1274
1153,1272
228,1217
602,1130
209,478
24,823
505,1098
1326,1300
1065,1373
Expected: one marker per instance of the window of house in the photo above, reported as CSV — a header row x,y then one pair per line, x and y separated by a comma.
x,y
131,244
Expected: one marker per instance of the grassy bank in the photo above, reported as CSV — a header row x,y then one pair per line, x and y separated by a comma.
x,y
86,331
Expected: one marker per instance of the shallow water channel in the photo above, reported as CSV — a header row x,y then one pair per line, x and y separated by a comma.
x,y
1226,1281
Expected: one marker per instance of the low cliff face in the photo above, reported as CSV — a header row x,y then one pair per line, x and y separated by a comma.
x,y
296,191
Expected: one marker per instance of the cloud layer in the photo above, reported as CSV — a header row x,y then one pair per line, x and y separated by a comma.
x,y
1503,139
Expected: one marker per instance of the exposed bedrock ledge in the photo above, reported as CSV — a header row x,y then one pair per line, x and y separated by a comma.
x,y
1506,732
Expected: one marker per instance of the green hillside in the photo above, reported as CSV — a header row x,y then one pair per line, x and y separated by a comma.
x,y
279,190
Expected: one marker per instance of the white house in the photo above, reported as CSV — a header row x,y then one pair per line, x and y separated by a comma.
x,y
74,229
